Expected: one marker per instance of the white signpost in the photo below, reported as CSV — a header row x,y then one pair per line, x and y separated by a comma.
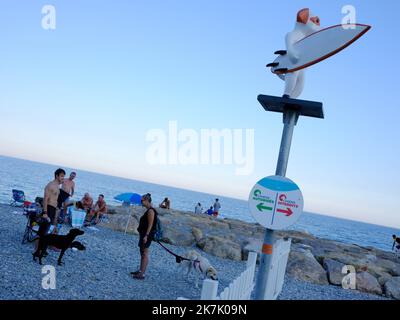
x,y
276,202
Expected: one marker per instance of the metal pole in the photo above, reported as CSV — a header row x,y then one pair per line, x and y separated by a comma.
x,y
290,118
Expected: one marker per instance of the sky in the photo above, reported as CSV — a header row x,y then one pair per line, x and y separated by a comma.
x,y
86,94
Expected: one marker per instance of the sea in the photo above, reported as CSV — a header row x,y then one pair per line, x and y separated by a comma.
x,y
32,177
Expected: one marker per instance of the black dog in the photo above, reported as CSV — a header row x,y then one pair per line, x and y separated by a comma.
x,y
61,242
78,245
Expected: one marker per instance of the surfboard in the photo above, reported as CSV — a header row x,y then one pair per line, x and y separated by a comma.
x,y
318,46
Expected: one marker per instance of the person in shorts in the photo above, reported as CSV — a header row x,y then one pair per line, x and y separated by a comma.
x,y
50,204
147,226
217,208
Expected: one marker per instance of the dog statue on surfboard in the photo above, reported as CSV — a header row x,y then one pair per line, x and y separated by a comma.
x,y
309,44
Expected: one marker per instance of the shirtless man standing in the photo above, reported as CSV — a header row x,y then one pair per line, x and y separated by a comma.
x,y
51,193
67,191
69,185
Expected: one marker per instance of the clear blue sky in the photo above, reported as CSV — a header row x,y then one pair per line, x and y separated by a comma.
x,y
85,95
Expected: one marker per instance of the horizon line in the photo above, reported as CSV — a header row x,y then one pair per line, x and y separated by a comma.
x,y
193,190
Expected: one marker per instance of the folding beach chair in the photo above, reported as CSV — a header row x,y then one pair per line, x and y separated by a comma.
x,y
18,198
32,213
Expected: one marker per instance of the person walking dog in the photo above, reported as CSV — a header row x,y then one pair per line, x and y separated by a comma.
x,y
147,227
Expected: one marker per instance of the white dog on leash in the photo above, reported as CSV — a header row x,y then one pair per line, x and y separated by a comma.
x,y
199,266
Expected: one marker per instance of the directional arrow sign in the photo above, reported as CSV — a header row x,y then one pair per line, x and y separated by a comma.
x,y
288,212
276,202
261,207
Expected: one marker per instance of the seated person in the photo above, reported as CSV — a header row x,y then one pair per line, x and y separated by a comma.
x,y
39,202
166,204
210,211
87,202
99,209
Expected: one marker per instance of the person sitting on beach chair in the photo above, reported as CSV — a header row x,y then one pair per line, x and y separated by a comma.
x,y
99,210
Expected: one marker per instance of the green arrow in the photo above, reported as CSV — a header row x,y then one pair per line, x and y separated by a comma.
x,y
261,207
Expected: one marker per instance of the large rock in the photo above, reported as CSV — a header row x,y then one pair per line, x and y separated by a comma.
x,y
384,278
366,282
389,266
252,245
118,210
386,255
302,265
392,288
118,222
178,235
239,227
334,270
219,225
220,247
197,233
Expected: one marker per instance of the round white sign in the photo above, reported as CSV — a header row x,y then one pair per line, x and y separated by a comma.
x,y
276,202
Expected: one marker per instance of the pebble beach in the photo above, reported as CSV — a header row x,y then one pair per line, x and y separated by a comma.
x,y
102,271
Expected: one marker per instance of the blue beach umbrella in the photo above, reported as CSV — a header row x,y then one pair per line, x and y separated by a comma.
x,y
131,198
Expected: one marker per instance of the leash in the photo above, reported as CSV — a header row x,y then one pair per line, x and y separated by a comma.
x,y
179,259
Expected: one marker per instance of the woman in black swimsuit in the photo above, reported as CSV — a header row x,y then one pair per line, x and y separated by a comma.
x,y
146,229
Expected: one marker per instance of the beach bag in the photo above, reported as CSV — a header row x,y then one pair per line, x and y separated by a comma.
x,y
158,231
78,218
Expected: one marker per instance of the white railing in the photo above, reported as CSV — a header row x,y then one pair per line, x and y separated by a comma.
x,y
239,289
243,286
276,274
